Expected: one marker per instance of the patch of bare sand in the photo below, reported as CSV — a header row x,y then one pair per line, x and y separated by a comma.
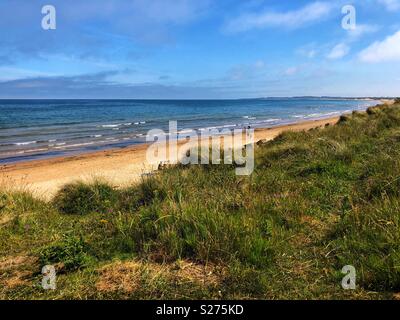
x,y
389,102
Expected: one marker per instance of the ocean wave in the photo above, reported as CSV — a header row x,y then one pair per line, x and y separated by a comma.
x,y
75,145
186,131
24,143
27,151
272,120
111,125
57,144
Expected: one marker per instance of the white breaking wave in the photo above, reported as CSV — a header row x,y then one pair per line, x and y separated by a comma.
x,y
111,125
25,143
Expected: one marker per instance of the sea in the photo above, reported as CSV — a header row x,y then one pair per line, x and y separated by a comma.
x,y
38,129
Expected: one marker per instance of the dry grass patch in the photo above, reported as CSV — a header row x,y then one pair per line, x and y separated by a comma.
x,y
200,274
14,262
16,279
128,276
119,277
16,271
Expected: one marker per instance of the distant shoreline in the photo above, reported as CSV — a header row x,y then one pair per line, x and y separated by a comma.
x,y
198,99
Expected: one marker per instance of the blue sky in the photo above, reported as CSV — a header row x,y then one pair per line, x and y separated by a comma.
x,y
204,49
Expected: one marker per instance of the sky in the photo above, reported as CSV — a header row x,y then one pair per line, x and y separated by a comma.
x,y
199,49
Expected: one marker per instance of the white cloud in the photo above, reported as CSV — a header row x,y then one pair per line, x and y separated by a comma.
x,y
362,29
380,51
309,51
391,5
260,64
291,71
311,54
10,73
339,51
291,19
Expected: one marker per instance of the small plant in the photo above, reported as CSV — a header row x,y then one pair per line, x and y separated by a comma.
x,y
20,202
71,251
80,198
344,118
144,194
397,100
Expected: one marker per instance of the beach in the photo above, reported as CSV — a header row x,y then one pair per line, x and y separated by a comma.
x,y
200,151
120,167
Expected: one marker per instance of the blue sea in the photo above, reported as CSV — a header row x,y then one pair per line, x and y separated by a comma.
x,y
34,129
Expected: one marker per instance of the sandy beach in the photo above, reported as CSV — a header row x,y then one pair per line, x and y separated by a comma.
x,y
118,166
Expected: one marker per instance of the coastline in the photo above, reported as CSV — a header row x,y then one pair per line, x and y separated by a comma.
x,y
57,132
121,167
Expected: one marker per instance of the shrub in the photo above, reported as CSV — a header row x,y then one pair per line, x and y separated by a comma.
x,y
145,193
373,110
80,198
20,202
344,118
71,251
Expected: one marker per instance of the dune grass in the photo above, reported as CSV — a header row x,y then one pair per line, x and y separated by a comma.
x,y
317,201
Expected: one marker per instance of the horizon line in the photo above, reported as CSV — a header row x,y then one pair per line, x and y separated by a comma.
x,y
213,99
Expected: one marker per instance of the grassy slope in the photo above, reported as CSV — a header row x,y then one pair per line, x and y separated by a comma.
x,y
317,201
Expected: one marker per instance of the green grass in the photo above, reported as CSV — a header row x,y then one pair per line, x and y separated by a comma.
x,y
317,201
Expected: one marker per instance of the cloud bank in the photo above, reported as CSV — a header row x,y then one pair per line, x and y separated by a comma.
x,y
383,51
310,13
